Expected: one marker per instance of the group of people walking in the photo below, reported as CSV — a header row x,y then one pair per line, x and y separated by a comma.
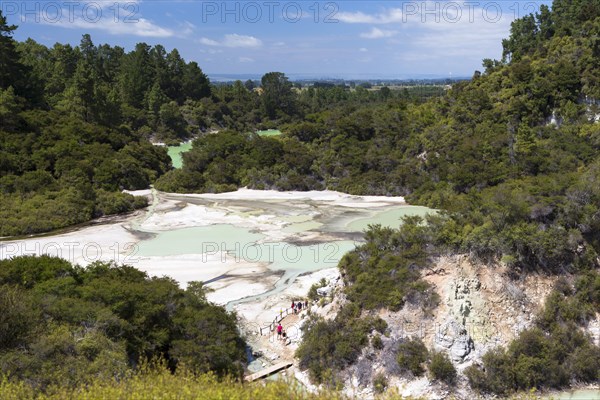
x,y
297,306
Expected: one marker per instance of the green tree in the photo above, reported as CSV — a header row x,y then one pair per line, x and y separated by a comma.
x,y
277,94
12,72
137,75
10,106
195,83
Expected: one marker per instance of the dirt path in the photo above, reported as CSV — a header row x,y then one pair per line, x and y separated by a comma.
x,y
268,347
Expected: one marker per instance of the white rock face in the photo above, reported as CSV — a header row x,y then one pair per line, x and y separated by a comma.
x,y
593,329
453,338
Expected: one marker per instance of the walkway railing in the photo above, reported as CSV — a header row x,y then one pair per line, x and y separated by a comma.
x,y
273,325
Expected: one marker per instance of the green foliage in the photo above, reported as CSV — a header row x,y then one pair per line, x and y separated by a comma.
x,y
19,317
228,160
441,368
312,292
66,326
384,272
380,383
158,382
71,132
412,355
277,94
329,346
377,343
553,353
12,72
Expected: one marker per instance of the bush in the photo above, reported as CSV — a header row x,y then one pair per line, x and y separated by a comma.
x,y
329,346
109,203
552,353
384,272
312,292
63,325
376,342
380,383
411,356
441,368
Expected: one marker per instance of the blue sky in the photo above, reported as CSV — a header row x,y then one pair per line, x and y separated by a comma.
x,y
336,38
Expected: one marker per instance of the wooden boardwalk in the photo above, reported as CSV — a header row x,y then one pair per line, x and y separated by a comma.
x,y
268,371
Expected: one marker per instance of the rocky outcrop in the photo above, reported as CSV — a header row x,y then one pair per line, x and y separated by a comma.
x,y
453,338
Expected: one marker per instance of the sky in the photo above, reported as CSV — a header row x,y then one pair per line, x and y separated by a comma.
x,y
379,39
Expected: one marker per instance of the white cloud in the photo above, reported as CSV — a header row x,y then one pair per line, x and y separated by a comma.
x,y
208,42
436,31
389,16
376,33
233,40
142,27
129,22
210,51
467,36
245,59
187,28
363,49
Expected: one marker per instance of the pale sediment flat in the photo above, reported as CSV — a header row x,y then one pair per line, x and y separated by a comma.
x,y
215,238
315,195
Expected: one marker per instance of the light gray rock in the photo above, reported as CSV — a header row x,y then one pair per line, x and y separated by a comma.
x,y
453,338
324,291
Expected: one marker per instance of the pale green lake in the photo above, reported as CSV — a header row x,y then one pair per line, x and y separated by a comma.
x,y
176,153
585,394
245,246
297,237
390,218
196,240
269,132
288,258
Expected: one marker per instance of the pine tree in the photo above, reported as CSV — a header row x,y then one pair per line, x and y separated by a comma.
x,y
11,70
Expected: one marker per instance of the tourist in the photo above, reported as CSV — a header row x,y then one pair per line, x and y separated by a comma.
x,y
279,331
299,306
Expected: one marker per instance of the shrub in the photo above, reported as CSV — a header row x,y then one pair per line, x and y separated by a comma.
x,y
329,346
380,383
63,325
441,368
411,356
552,353
376,342
312,292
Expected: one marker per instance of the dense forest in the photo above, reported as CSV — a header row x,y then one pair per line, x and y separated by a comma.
x,y
67,326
